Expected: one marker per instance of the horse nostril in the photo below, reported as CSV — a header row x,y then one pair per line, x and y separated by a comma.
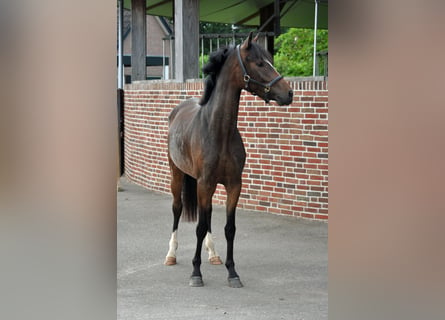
x,y
291,93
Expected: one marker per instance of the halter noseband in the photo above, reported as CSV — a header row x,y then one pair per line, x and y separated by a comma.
x,y
247,79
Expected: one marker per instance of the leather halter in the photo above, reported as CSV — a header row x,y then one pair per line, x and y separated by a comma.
x,y
247,79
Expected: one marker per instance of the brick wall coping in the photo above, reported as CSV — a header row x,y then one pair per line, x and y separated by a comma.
x,y
303,83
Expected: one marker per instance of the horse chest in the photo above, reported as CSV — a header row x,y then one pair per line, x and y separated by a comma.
x,y
230,161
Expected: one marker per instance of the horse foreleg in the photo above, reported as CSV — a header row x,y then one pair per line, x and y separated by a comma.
x,y
233,193
209,245
205,192
201,230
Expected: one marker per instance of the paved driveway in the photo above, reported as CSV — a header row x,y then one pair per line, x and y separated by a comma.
x,y
282,262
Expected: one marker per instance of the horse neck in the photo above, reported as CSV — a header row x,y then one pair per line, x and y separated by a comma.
x,y
224,103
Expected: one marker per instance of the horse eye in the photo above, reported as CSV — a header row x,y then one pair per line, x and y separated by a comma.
x,y
260,64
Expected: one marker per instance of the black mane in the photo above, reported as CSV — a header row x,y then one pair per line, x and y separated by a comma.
x,y
212,69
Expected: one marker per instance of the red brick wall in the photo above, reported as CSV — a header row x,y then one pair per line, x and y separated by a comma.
x,y
286,168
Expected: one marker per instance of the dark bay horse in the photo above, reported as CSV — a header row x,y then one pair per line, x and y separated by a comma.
x,y
205,146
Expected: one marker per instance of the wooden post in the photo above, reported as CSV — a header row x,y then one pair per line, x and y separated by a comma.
x,y
265,13
138,40
276,23
186,39
270,21
120,50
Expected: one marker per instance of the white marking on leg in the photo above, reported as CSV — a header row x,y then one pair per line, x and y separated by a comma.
x,y
173,245
210,246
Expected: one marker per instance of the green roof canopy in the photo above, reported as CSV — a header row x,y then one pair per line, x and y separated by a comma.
x,y
295,13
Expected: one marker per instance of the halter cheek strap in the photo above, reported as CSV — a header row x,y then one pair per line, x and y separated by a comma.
x,y
247,79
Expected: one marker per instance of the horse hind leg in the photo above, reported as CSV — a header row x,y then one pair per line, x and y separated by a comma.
x,y
176,188
209,245
170,259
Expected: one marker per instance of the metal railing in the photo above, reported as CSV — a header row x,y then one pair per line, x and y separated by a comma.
x,y
211,42
321,60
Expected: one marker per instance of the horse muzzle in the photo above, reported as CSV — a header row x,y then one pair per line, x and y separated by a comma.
x,y
282,98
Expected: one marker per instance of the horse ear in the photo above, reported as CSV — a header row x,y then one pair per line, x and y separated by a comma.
x,y
246,43
256,38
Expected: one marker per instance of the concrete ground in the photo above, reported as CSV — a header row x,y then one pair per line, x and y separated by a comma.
x,y
282,262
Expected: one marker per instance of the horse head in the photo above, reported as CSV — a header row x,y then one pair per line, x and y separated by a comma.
x,y
259,75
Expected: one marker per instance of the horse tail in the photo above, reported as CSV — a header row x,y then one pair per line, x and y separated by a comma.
x,y
190,198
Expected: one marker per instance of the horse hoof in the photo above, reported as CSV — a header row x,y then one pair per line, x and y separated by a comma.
x,y
170,261
196,281
235,282
215,260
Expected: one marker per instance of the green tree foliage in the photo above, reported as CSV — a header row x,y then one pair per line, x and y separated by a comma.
x,y
294,51
202,61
